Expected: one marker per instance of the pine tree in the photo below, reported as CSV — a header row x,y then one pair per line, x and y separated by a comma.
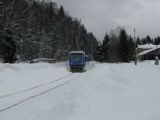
x,y
138,42
99,53
131,48
113,55
157,40
148,39
144,41
123,46
8,46
61,12
105,47
1,24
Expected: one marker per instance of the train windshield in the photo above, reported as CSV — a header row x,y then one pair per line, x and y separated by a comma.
x,y
77,56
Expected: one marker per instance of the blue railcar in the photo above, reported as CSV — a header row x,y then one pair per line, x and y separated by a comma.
x,y
77,61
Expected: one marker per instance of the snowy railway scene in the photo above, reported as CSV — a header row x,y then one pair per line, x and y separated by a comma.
x,y
79,60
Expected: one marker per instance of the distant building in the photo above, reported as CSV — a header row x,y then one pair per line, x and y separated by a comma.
x,y
148,52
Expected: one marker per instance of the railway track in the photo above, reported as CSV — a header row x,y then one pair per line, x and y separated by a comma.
x,y
47,90
34,87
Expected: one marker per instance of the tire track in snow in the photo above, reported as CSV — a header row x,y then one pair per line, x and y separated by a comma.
x,y
34,87
39,94
34,96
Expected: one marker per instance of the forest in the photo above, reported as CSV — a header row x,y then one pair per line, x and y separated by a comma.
x,y
33,29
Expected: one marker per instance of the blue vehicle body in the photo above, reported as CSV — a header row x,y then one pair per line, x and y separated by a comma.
x,y
77,60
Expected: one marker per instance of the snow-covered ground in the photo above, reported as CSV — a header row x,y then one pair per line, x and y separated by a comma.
x,y
105,92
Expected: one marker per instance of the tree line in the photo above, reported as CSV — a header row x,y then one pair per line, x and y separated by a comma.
x,y
116,47
34,29
148,40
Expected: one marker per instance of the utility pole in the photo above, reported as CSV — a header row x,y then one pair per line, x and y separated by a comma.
x,y
135,47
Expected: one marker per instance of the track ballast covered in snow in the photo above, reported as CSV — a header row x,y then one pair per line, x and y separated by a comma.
x,y
105,92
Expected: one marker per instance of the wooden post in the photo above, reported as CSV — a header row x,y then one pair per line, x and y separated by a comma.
x,y
135,47
135,56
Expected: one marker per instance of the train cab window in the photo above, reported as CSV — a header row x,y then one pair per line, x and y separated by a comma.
x,y
77,57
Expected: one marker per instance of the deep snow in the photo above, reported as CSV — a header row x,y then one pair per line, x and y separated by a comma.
x,y
105,92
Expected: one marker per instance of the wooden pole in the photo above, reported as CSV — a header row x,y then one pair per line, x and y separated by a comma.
x,y
135,47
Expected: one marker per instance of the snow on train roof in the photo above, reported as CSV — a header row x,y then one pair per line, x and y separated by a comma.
x,y
76,52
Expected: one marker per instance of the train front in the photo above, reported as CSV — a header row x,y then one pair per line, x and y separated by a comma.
x,y
77,61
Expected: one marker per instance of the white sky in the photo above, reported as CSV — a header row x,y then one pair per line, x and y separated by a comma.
x,y
100,16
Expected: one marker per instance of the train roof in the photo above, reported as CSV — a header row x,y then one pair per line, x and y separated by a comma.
x,y
76,52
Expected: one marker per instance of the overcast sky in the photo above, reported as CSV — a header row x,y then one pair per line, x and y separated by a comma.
x,y
100,16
